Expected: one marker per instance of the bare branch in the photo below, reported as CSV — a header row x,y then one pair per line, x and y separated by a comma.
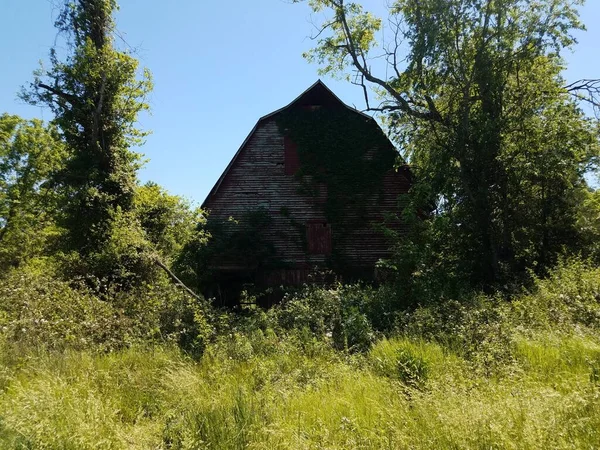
x,y
586,90
356,52
320,30
177,281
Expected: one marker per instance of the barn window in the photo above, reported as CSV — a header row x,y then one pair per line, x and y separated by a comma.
x,y
292,162
318,236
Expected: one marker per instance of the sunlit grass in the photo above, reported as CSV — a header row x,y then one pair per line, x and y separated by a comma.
x,y
158,398
473,375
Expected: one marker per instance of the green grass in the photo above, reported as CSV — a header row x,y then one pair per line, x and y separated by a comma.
x,y
286,396
481,373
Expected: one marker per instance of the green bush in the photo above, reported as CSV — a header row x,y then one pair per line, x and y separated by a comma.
x,y
336,314
274,380
412,369
476,329
411,361
38,311
569,296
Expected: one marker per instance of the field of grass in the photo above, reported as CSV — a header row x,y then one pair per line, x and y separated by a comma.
x,y
494,381
263,392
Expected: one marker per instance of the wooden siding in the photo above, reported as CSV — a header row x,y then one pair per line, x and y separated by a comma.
x,y
258,178
318,236
291,159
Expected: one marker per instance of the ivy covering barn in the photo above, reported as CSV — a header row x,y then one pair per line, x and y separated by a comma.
x,y
313,187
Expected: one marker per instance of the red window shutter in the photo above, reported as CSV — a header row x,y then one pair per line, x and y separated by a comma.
x,y
292,162
318,234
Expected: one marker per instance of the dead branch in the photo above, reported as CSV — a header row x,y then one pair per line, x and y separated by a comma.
x,y
586,90
176,280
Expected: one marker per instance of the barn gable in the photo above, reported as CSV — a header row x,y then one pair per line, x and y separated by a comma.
x,y
316,95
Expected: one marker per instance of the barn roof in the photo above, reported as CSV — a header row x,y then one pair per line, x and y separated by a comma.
x,y
317,94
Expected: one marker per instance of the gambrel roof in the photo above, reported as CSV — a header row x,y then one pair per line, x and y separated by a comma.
x,y
317,94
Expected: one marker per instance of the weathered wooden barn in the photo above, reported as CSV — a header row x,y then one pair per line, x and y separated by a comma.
x,y
310,187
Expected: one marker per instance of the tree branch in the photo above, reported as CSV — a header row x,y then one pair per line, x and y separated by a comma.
x,y
68,97
354,53
177,281
586,90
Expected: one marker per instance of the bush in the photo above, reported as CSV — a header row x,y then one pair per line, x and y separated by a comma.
x,y
476,329
39,311
408,360
163,312
337,314
569,297
412,369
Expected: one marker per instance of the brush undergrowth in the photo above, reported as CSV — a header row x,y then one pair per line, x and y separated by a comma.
x,y
316,372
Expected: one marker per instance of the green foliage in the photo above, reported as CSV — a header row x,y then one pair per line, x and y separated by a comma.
x,y
588,221
96,96
337,314
169,221
40,312
29,154
260,385
412,369
159,226
343,150
235,241
501,166
569,296
407,360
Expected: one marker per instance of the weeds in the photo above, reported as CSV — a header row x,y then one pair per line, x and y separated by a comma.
x,y
479,373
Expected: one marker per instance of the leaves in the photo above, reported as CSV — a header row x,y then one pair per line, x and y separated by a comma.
x,y
30,153
473,92
96,94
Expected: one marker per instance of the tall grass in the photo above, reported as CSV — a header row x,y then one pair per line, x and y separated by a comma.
x,y
158,398
477,374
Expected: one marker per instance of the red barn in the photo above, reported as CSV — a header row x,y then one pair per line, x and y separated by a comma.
x,y
310,187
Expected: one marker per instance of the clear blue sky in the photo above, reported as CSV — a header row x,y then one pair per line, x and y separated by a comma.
x,y
218,66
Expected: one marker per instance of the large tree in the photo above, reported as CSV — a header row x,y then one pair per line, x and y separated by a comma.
x,y
473,92
96,92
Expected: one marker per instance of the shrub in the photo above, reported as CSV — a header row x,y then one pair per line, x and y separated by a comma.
x,y
408,360
38,311
41,311
337,314
476,328
163,312
569,296
412,369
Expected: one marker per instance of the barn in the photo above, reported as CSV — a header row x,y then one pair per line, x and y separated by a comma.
x,y
308,190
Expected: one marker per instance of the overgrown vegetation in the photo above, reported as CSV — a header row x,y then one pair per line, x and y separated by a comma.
x,y
485,335
358,156
474,92
463,374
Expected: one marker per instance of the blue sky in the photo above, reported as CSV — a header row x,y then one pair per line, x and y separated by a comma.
x,y
217,65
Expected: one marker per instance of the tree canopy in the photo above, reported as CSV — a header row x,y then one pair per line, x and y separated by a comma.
x,y
96,93
29,154
473,92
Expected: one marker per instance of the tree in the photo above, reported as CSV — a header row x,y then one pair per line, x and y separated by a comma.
x,y
169,221
476,99
96,94
29,154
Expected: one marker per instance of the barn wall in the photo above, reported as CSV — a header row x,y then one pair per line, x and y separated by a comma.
x,y
257,179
